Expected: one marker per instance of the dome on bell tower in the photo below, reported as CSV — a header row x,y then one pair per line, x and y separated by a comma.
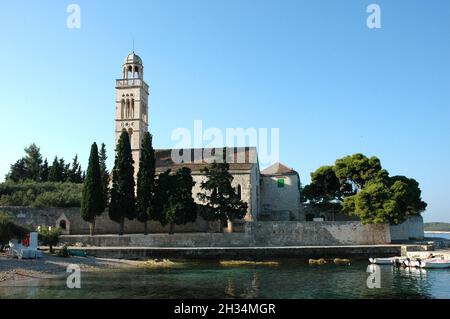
x,y
133,67
133,58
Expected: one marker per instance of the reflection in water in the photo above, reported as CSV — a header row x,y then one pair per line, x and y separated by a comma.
x,y
229,290
209,280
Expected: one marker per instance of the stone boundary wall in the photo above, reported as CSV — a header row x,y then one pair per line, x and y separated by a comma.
x,y
318,233
267,233
76,225
412,229
257,234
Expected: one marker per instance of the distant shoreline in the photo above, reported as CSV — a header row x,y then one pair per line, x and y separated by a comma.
x,y
436,232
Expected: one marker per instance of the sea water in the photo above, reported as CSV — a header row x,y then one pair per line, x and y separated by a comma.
x,y
290,279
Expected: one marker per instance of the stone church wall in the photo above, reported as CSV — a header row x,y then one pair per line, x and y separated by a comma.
x,y
248,190
280,203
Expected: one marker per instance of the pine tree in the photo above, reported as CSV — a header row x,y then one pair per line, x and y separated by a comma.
x,y
104,175
222,201
92,198
33,162
65,168
145,181
56,171
122,193
44,171
17,171
75,174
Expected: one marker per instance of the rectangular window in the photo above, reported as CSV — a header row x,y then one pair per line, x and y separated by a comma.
x,y
280,182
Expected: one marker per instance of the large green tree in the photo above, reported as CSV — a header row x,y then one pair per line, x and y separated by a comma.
x,y
324,189
408,195
122,204
365,190
92,197
374,204
174,204
221,199
145,181
356,170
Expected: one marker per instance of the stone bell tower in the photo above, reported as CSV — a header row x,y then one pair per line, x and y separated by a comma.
x,y
132,104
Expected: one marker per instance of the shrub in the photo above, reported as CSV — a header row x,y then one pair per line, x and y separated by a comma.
x,y
9,230
49,237
34,194
64,252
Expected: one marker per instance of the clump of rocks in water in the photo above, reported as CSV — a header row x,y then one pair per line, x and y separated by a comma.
x,y
336,261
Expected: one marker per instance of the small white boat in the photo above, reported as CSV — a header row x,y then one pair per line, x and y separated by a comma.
x,y
381,261
411,263
435,263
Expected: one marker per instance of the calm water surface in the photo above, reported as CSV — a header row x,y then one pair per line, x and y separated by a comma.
x,y
438,235
211,280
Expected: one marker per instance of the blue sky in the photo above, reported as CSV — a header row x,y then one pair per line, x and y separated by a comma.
x,y
311,68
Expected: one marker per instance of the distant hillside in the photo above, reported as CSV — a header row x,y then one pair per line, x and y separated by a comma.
x,y
437,226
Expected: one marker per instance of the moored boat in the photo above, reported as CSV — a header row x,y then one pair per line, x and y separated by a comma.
x,y
412,263
435,263
381,261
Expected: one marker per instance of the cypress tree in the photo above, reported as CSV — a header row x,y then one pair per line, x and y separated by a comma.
x,y
145,181
91,198
104,174
122,193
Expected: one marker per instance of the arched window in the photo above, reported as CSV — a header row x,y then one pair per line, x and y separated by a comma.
x,y
122,107
127,112
130,72
136,72
62,224
132,108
